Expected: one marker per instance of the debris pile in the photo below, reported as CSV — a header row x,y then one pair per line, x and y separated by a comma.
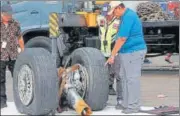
x,y
151,11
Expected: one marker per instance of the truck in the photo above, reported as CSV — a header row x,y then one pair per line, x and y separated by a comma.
x,y
65,60
40,85
33,17
162,35
161,28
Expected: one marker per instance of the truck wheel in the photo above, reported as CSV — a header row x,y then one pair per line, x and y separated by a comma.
x,y
96,84
35,82
43,42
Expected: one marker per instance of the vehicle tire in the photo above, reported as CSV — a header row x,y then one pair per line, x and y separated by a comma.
x,y
92,59
43,42
35,82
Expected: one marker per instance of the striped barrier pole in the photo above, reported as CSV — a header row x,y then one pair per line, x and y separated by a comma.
x,y
54,32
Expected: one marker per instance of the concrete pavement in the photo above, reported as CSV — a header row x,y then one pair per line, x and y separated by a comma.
x,y
160,63
153,83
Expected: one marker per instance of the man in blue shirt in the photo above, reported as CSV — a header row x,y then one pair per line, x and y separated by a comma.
x,y
131,49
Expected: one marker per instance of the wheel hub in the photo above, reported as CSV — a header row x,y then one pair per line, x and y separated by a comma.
x,y
25,84
80,80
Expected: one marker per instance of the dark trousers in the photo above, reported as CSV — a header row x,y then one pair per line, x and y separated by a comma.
x,y
3,65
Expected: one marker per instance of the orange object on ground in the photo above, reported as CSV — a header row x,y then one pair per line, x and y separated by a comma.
x,y
77,103
73,98
82,108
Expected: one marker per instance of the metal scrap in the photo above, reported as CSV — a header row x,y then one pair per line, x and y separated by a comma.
x,y
151,11
73,98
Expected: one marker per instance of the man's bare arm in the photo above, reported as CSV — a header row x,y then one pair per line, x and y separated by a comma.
x,y
21,43
119,43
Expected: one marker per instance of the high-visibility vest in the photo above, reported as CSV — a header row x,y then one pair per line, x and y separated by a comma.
x,y
107,32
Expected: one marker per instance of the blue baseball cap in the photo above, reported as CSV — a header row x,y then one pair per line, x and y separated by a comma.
x,y
105,9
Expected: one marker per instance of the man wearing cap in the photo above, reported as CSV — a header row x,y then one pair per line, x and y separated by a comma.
x,y
108,28
11,40
131,49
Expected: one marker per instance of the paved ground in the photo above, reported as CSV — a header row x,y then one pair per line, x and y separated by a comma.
x,y
153,83
160,63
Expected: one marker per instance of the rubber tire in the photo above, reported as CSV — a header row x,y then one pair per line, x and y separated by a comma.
x,y
97,85
43,42
45,91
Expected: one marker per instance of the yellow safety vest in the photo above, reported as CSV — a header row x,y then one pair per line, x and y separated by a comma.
x,y
107,32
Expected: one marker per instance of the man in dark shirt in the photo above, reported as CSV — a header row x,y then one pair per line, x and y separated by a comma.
x,y
11,43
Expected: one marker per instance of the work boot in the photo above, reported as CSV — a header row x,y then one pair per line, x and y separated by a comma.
x,y
111,90
119,106
3,105
130,111
147,61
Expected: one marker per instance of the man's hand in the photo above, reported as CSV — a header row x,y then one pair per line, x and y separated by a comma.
x,y
20,50
115,50
110,60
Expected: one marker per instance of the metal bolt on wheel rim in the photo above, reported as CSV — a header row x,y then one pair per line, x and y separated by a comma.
x,y
25,84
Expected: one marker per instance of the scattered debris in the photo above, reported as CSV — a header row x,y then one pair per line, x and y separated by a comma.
x,y
163,110
161,96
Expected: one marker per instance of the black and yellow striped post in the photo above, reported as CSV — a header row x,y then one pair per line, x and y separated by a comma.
x,y
53,25
54,32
